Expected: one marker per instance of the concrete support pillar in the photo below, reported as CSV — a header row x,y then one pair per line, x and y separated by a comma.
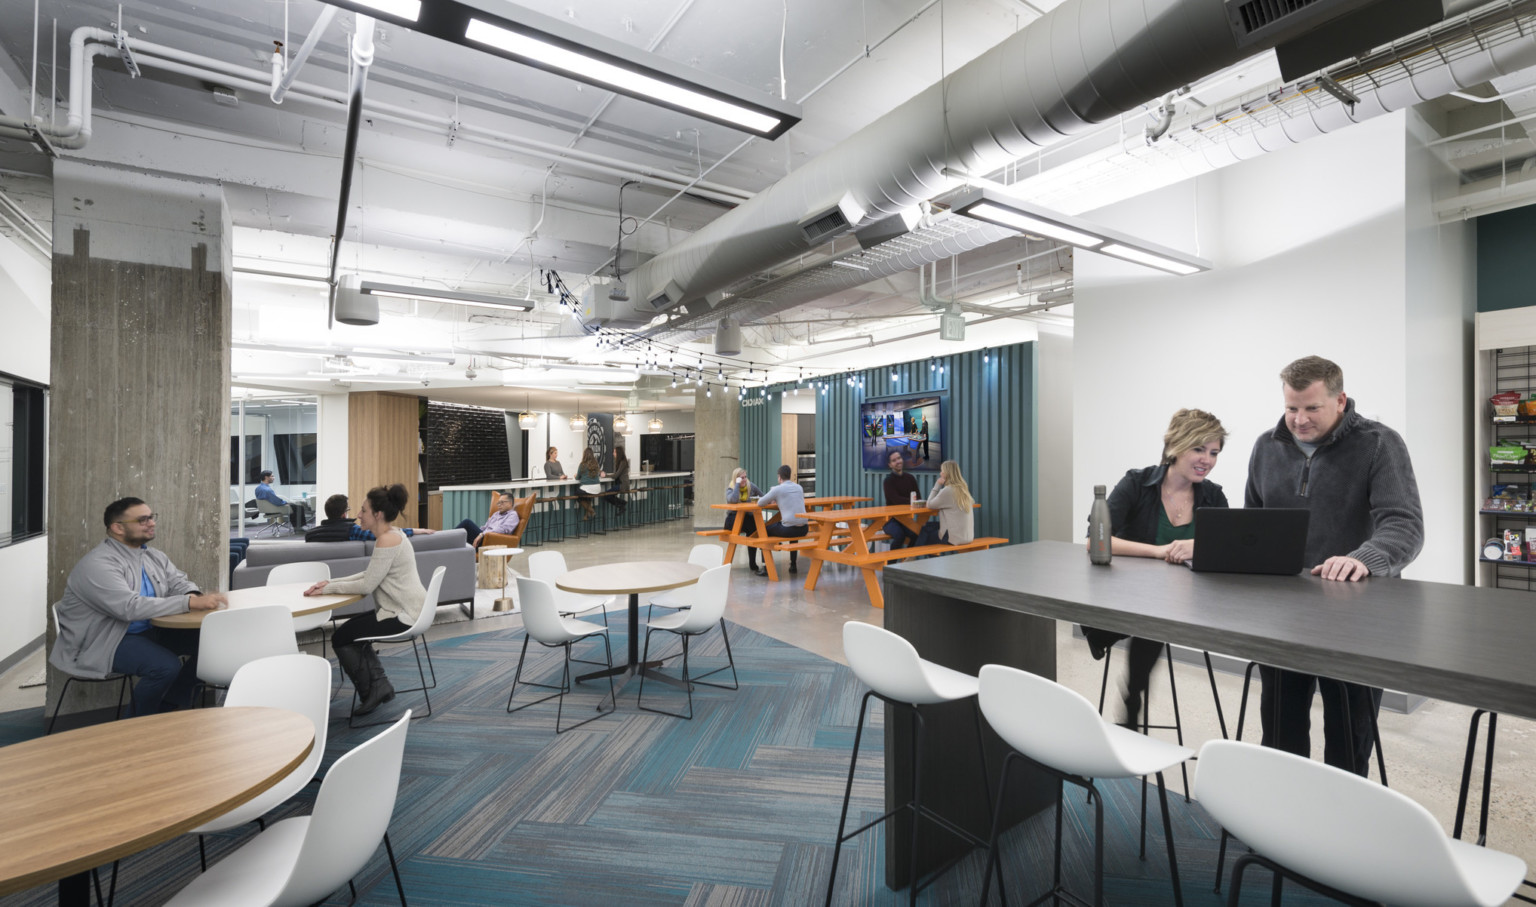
x,y
140,363
716,451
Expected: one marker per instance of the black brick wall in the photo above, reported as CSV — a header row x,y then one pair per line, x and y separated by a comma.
x,y
464,445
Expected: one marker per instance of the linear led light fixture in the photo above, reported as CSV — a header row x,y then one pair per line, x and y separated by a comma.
x,y
455,297
329,353
554,46
986,203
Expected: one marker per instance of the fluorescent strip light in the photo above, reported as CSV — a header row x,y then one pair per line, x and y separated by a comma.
x,y
331,353
627,81
1151,260
1008,217
455,297
405,9
849,265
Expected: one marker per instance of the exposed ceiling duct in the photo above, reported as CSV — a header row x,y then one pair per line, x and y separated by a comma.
x,y
1082,63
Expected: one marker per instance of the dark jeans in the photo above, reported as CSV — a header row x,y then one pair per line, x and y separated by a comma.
x,y
367,625
899,533
1141,660
471,530
930,535
154,658
748,527
1294,733
298,514
782,531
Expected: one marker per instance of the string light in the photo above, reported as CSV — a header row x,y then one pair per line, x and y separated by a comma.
x,y
986,355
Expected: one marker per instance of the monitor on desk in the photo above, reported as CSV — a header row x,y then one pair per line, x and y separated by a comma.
x,y
1250,540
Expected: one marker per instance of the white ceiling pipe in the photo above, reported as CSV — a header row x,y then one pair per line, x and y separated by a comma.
x,y
1083,63
291,70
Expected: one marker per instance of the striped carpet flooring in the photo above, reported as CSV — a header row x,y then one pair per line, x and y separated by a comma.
x,y
735,808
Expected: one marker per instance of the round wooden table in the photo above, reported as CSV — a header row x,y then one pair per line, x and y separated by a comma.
x,y
81,799
289,595
630,578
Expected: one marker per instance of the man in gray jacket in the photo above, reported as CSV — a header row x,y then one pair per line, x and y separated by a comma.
x,y
112,594
1355,478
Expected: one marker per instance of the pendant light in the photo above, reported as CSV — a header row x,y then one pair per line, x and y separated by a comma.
x,y
655,424
579,419
620,424
527,419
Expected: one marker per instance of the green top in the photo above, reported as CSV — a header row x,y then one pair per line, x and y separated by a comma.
x,y
1167,532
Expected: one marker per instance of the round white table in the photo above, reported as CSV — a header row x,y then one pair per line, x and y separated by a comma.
x,y
630,578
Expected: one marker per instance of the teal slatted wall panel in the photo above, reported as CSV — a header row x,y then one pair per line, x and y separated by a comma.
x,y
992,432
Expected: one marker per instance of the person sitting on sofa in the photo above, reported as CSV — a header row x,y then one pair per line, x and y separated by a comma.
x,y
338,527
504,521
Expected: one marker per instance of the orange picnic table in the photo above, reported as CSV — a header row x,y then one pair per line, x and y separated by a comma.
x,y
759,538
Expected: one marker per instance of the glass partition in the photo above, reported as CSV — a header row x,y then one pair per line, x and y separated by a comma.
x,y
276,434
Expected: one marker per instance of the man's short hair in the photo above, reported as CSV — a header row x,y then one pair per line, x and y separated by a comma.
x,y
784,472
116,509
268,472
1304,372
335,506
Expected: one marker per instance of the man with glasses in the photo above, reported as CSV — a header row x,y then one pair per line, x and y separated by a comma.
x,y
112,594
265,492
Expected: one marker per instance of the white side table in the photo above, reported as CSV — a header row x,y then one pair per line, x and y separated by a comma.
x,y
505,602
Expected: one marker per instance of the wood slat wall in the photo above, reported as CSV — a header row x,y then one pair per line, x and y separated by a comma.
x,y
991,432
382,437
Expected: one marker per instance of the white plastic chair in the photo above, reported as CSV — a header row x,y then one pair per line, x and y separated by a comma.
x,y
304,859
543,623
229,640
1062,733
704,555
304,572
415,631
298,683
1343,835
895,674
708,606
120,679
550,566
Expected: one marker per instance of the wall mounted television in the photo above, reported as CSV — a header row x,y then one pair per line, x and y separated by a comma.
x,y
912,425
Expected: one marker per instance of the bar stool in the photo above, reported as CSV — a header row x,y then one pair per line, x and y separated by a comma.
x,y
1058,730
1466,783
897,676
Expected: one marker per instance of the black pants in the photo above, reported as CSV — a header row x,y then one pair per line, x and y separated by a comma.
x,y
1139,664
779,530
1293,734
748,527
367,625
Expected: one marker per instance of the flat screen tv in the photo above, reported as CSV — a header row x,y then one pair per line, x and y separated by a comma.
x,y
911,425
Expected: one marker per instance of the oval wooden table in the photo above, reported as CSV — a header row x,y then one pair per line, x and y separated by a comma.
x,y
289,595
631,578
81,799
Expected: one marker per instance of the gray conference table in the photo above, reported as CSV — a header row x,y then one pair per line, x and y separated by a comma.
x,y
1456,643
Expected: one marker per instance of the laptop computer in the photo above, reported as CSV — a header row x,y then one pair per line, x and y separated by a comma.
x,y
1251,540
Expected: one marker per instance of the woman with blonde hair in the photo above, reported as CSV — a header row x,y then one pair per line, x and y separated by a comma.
x,y
742,489
951,497
1152,514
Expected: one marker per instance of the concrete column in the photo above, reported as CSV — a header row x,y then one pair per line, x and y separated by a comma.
x,y
716,451
140,363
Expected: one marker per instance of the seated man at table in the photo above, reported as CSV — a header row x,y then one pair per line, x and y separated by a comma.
x,y
338,527
503,521
789,499
266,492
109,600
900,491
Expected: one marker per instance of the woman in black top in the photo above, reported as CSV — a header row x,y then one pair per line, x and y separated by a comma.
x,y
620,481
1152,514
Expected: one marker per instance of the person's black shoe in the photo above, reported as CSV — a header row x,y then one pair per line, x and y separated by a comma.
x,y
794,567
760,571
1099,642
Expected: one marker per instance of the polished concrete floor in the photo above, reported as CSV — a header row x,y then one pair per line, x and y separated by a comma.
x,y
1423,750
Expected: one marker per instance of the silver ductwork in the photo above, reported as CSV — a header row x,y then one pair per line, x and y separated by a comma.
x,y
1083,63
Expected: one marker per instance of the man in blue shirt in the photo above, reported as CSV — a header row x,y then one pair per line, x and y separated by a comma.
x,y
267,493
789,498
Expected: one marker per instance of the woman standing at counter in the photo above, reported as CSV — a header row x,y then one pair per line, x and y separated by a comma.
x,y
1152,512
552,468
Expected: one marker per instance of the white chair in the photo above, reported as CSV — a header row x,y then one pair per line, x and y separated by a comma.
x,y
704,555
304,859
708,606
229,640
298,683
550,566
304,572
544,624
897,676
1062,733
278,516
415,631
1342,835
120,679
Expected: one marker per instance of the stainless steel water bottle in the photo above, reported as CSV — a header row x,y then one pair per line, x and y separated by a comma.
x,y
1099,528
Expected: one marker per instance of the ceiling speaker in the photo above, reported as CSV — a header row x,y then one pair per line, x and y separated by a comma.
x,y
353,306
727,337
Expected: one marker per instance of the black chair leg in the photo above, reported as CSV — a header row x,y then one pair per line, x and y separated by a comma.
x,y
1173,862
1178,722
394,868
842,822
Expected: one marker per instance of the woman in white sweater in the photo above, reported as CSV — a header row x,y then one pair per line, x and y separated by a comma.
x,y
398,596
951,497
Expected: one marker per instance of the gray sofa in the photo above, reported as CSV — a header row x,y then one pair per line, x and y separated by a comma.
x,y
447,548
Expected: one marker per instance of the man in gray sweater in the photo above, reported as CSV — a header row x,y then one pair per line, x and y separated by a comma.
x,y
109,600
1355,478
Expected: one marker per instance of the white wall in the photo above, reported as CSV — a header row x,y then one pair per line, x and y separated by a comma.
x,y
1311,258
331,447
26,287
